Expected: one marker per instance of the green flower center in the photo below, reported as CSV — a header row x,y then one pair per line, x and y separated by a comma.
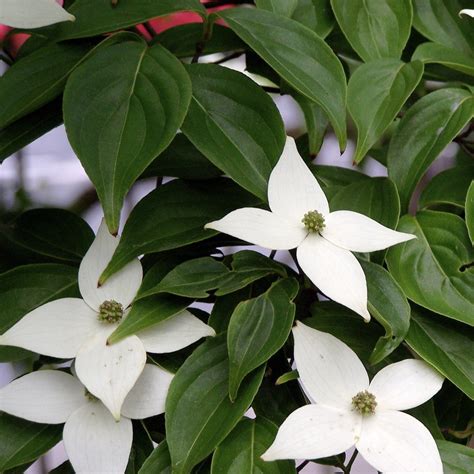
x,y
313,221
110,312
364,402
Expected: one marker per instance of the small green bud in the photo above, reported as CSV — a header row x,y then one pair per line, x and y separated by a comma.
x,y
110,312
313,221
364,402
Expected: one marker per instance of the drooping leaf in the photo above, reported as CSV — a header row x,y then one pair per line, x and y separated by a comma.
x,y
299,56
434,269
469,209
235,124
376,93
174,215
448,187
257,329
199,414
316,15
457,459
375,28
446,346
280,7
122,107
159,461
240,452
423,133
23,441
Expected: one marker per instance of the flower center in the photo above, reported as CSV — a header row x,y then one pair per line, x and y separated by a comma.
x,y
364,402
110,312
313,221
89,396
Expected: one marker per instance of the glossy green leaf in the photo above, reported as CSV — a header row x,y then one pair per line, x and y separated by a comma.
x,y
94,17
122,107
440,22
287,377
376,93
422,134
446,346
448,187
159,461
449,57
257,329
457,459
280,7
315,15
23,441
299,56
240,452
434,269
469,209
375,28
389,306
174,215
224,307
199,414
329,176
48,235
235,124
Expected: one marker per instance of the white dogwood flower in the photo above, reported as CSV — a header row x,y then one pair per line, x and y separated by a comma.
x,y
94,441
32,13
467,11
349,411
79,328
300,217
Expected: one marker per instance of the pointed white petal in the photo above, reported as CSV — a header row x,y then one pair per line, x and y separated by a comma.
x,y
336,272
174,333
45,396
110,371
148,395
330,371
95,442
292,188
261,227
392,441
314,431
467,11
32,13
359,233
56,329
121,287
405,384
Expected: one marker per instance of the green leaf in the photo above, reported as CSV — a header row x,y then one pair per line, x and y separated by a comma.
x,y
122,107
446,346
376,93
336,175
37,79
224,307
174,215
457,459
299,56
287,377
388,304
235,124
48,235
440,22
25,288
315,15
240,452
27,129
422,134
258,328
375,28
448,187
23,441
470,211
199,414
433,269
94,17
449,57
280,7
159,461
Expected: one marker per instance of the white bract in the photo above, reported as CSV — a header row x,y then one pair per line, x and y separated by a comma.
x,y
32,13
467,11
349,411
300,217
75,328
94,441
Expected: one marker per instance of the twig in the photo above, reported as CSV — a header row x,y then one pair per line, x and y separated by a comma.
x,y
229,57
302,465
150,30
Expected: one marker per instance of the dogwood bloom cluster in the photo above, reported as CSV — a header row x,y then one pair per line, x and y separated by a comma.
x,y
349,411
32,13
94,441
300,218
79,328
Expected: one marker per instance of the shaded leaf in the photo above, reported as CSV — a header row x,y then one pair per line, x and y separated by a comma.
x,y
470,211
280,7
159,461
316,15
457,459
